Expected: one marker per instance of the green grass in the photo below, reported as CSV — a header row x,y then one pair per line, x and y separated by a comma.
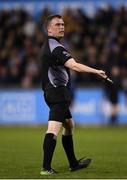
x,y
21,153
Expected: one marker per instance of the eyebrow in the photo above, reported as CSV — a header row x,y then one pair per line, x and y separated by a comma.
x,y
59,23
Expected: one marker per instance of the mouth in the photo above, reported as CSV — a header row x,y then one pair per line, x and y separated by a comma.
x,y
61,31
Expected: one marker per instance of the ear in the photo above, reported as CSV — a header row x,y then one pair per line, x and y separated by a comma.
x,y
49,28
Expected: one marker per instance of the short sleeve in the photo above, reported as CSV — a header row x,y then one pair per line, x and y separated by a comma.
x,y
61,55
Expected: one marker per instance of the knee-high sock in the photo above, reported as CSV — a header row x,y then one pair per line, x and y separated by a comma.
x,y
67,142
48,148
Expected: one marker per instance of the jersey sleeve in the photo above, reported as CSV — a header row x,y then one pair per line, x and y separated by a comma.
x,y
61,55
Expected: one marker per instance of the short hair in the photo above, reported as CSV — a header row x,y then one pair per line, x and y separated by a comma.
x,y
49,19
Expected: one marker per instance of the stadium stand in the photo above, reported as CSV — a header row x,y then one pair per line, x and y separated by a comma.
x,y
98,41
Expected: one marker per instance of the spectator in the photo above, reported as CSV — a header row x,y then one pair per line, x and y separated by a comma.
x,y
99,41
113,95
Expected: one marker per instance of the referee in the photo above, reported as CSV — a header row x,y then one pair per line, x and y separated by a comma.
x,y
56,62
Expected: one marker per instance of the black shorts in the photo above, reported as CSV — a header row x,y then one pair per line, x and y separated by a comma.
x,y
58,99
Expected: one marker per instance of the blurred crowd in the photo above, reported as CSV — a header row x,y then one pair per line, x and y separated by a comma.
x,y
99,41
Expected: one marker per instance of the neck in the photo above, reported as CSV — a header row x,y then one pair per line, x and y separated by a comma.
x,y
56,37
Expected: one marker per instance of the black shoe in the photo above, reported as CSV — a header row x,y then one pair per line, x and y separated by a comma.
x,y
45,172
82,163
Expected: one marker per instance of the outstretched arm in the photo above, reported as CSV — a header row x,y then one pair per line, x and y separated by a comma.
x,y
72,64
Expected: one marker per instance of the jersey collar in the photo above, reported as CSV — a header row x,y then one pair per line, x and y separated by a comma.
x,y
51,37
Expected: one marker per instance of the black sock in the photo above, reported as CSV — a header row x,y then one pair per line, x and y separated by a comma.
x,y
67,142
48,147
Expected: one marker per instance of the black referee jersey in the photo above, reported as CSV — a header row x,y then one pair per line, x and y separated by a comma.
x,y
53,57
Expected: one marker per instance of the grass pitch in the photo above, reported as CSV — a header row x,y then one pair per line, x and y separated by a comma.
x,y
21,153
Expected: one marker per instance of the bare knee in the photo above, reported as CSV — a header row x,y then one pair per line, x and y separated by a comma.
x,y
54,127
68,127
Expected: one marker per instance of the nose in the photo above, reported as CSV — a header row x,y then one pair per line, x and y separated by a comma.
x,y
62,27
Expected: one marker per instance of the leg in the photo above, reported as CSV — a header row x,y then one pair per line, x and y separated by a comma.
x,y
68,127
50,143
114,115
67,141
54,127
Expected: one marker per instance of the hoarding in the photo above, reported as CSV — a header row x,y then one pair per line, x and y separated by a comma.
x,y
28,107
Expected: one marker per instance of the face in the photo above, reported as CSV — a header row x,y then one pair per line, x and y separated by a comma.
x,y
56,28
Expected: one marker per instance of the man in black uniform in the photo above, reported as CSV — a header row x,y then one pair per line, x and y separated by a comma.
x,y
56,62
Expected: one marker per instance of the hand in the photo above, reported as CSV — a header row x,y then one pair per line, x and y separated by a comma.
x,y
102,74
